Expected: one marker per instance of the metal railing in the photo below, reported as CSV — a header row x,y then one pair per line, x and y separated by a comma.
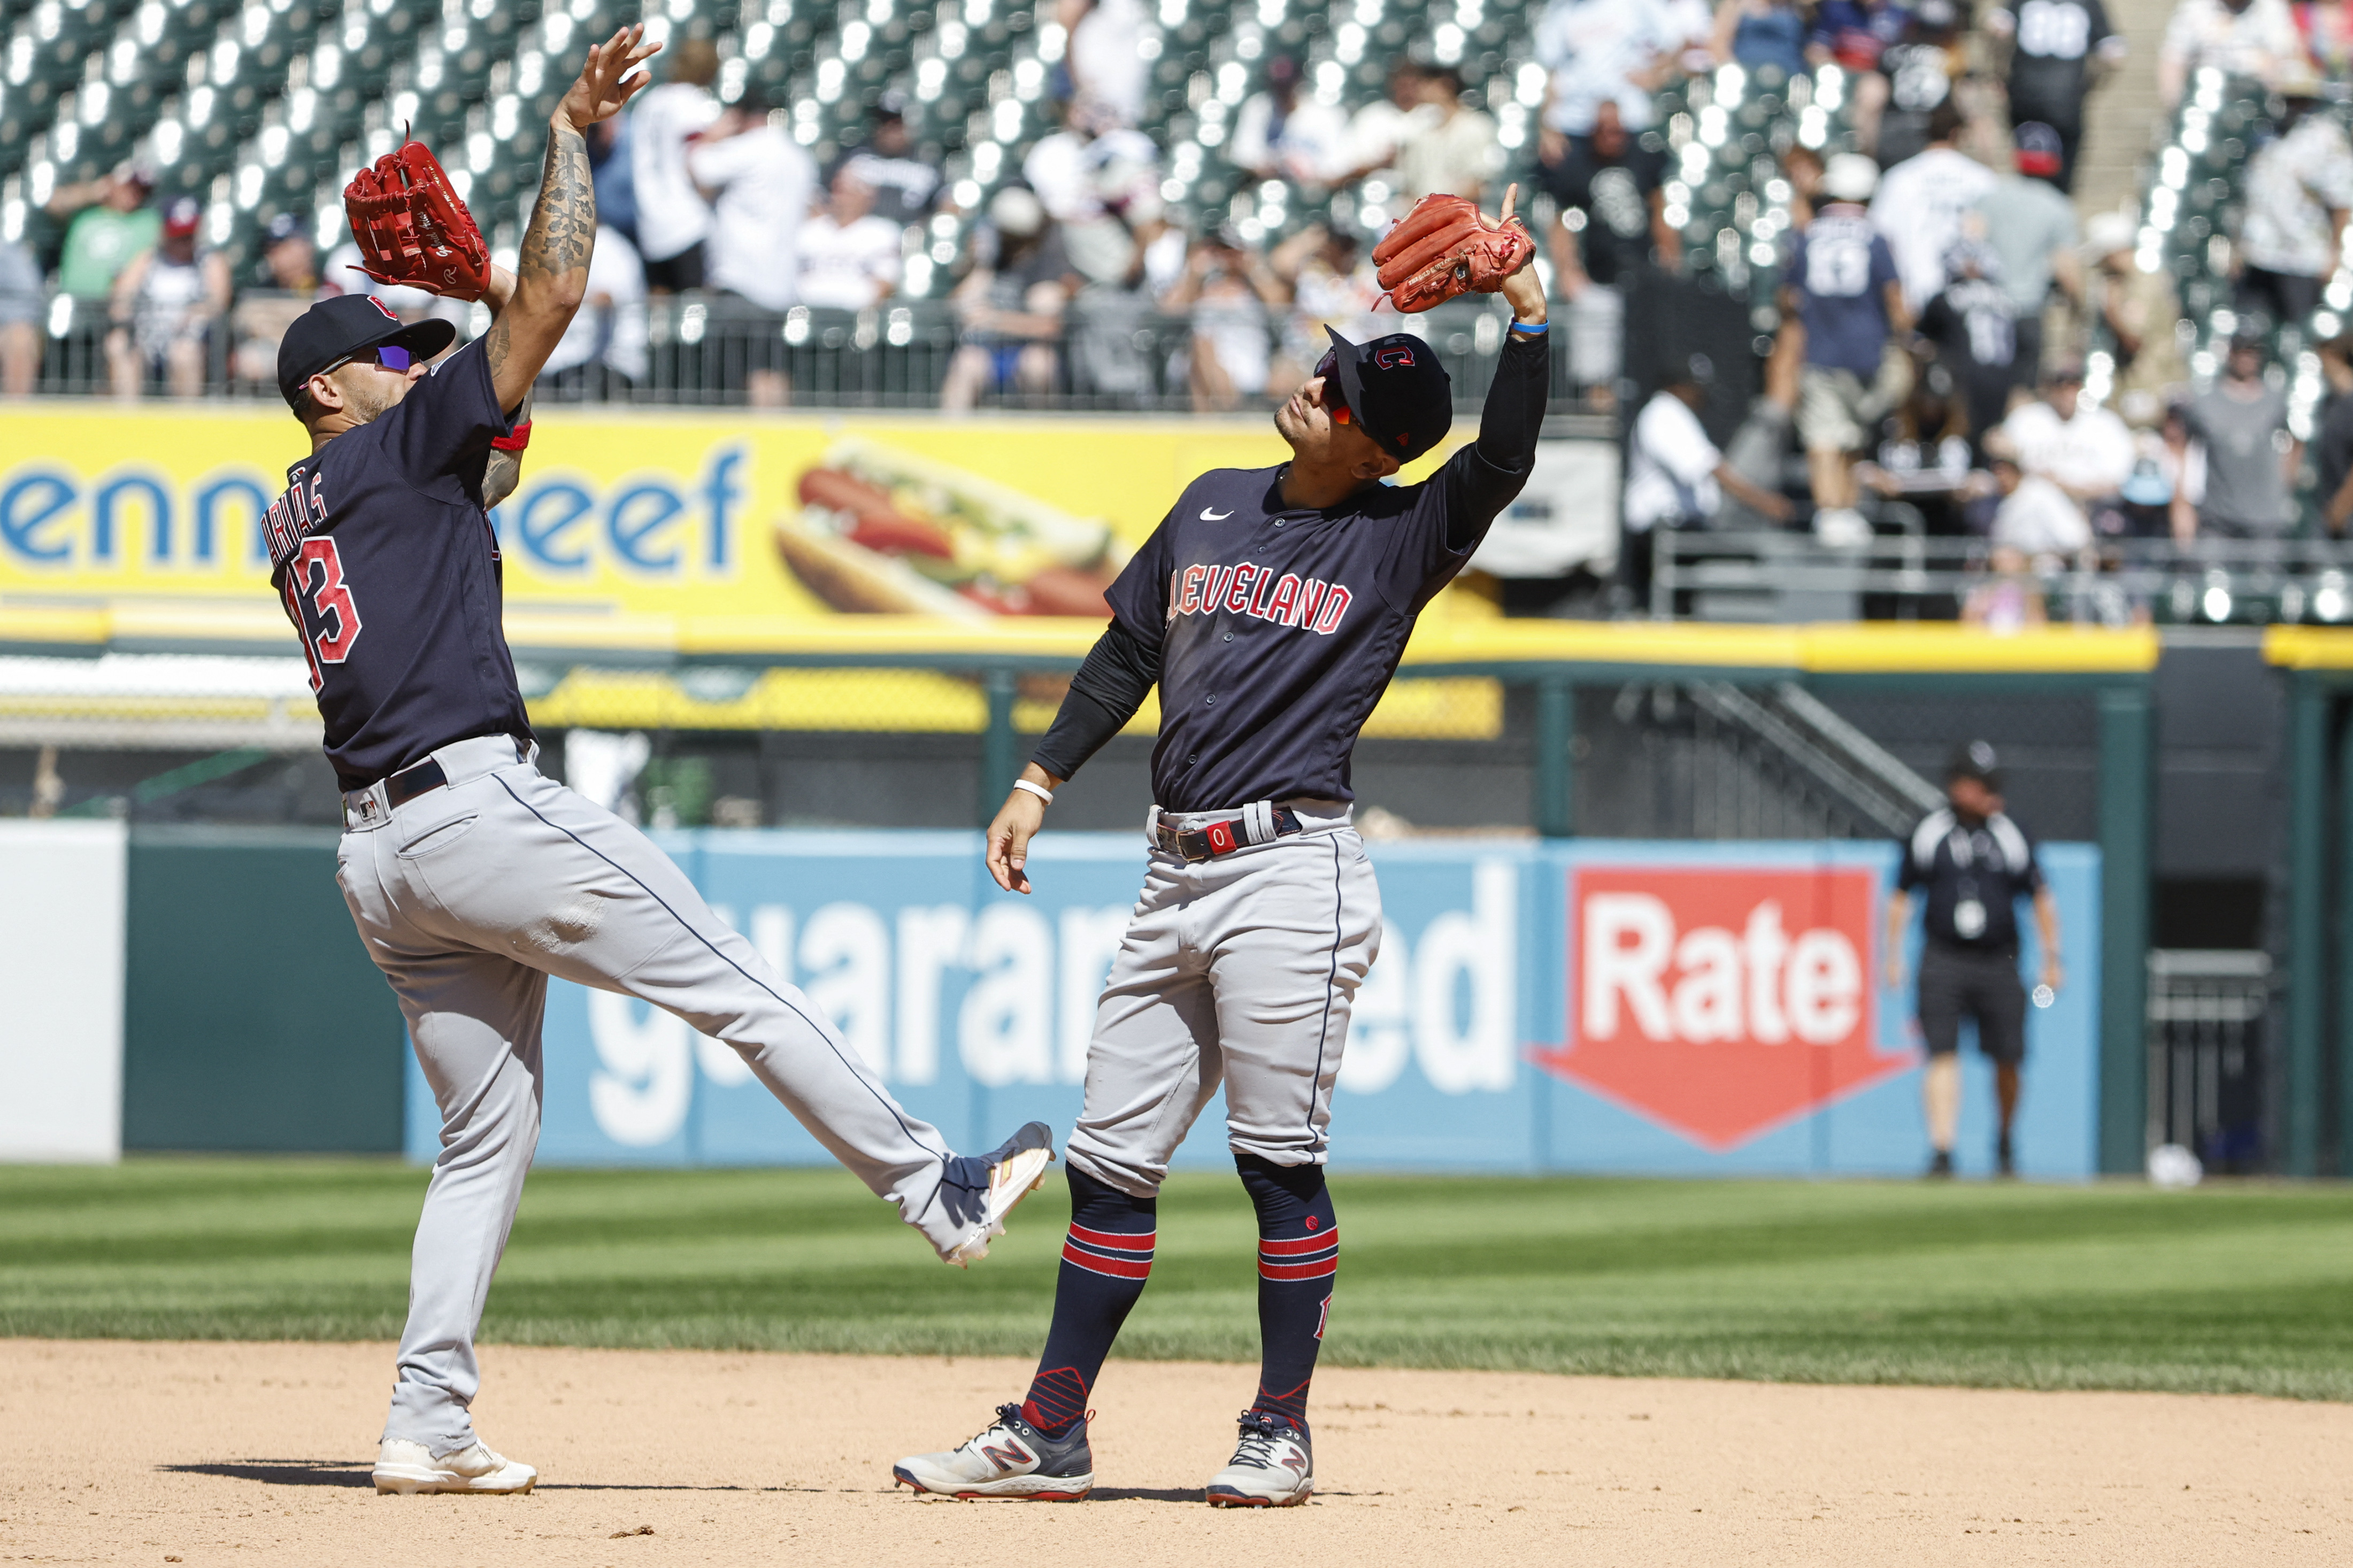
x,y
1115,353
2207,1012
1770,576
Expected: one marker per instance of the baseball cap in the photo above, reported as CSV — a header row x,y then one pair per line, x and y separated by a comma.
x,y
1398,391
891,105
2037,149
340,327
1697,370
283,228
1976,761
2108,233
182,215
1849,178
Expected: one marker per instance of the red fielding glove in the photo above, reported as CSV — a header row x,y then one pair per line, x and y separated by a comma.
x,y
412,228
1447,247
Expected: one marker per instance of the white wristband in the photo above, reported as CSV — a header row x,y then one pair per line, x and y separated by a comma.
x,y
1040,791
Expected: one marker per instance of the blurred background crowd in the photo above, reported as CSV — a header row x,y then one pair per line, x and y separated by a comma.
x,y
1894,306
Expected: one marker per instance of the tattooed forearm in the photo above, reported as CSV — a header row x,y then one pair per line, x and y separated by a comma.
x,y
564,220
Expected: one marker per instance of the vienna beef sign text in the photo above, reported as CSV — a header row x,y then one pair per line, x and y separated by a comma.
x,y
1722,1003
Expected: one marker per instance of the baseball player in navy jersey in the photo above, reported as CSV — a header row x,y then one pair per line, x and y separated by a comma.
x,y
1271,607
472,877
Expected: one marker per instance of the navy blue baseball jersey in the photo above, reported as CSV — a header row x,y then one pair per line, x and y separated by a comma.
x,y
1278,628
385,563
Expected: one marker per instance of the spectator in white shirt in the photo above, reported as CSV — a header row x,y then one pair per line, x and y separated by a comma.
x,y
602,351
2253,38
1456,151
673,219
848,254
759,182
2299,188
2087,452
1922,203
1282,135
1106,54
1378,132
1675,477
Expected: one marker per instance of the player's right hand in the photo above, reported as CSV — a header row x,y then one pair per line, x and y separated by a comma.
x,y
1017,822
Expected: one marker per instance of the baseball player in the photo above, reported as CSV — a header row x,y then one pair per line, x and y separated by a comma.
x,y
1271,608
472,878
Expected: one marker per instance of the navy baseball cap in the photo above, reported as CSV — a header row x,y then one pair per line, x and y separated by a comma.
x,y
1976,761
1396,390
336,329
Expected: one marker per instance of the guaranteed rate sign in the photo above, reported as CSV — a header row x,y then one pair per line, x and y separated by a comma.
x,y
1722,1003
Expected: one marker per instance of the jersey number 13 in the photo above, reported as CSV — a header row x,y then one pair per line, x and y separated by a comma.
x,y
320,602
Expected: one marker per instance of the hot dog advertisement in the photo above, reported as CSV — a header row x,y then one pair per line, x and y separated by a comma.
x,y
884,530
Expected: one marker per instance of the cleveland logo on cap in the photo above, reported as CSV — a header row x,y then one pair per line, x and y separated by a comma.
x,y
389,314
1393,356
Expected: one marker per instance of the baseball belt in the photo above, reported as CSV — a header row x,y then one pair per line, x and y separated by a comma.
x,y
1260,822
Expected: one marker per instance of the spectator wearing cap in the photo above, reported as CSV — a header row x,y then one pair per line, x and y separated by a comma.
x,y
108,221
1106,54
1923,203
674,217
21,309
1280,134
2085,450
1974,324
1676,477
1455,150
1612,227
1844,285
2333,443
1011,304
760,182
2299,188
1970,864
2250,457
848,253
166,304
2251,38
905,183
2140,311
283,283
2059,51
2031,228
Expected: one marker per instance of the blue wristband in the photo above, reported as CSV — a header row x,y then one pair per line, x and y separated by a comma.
x,y
1532,331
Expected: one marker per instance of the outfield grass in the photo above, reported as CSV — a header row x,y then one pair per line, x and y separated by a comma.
x,y
2235,1288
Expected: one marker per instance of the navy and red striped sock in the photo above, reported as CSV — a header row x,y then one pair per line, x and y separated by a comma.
x,y
1297,1258
1106,1259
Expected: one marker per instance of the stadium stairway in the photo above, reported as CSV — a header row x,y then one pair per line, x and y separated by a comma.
x,y
2125,114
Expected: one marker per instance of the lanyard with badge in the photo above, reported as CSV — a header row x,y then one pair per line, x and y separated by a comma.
x,y
1969,909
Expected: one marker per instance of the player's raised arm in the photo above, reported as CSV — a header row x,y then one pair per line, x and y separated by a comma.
x,y
552,268
1513,415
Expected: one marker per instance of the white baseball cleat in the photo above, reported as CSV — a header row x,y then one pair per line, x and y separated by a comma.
x,y
1271,1466
1008,1459
981,1190
406,1467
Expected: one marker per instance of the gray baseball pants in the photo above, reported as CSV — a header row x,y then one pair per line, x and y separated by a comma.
x,y
469,897
1240,970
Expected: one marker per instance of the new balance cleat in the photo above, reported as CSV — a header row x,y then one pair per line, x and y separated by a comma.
x,y
1271,1466
407,1467
980,1190
1010,1460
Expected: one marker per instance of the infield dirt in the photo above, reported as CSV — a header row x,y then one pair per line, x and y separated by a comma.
x,y
250,1454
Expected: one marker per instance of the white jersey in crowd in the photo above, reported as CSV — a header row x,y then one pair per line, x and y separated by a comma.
x,y
1378,132
2291,185
1920,208
1313,145
1107,59
760,182
2091,454
1594,48
2040,518
611,325
1669,466
1456,156
2257,41
170,301
671,215
843,267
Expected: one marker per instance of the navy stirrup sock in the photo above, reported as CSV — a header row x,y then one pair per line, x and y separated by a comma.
x,y
1106,1259
1297,1258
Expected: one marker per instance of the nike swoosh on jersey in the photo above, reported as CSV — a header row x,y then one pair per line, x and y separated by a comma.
x,y
1209,516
